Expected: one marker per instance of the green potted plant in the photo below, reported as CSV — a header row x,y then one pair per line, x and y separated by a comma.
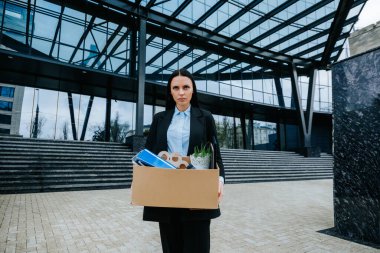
x,y
200,159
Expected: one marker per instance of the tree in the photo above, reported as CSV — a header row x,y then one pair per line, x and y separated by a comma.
x,y
99,133
117,134
224,131
37,124
65,130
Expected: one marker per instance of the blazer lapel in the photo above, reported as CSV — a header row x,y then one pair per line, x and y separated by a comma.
x,y
196,129
163,130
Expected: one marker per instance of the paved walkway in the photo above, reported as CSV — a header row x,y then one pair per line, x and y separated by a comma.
x,y
261,217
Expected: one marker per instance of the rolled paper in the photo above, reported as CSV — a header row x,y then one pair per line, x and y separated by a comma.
x,y
175,157
164,155
183,165
175,163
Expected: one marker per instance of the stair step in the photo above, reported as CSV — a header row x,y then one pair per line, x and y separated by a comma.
x,y
266,166
72,142
265,172
47,159
47,181
67,187
75,167
258,180
62,177
6,149
61,155
278,174
38,165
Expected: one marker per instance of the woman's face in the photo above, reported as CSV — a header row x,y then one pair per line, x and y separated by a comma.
x,y
181,88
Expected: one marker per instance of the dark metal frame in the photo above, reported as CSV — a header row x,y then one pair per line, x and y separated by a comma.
x,y
141,78
191,34
305,121
341,14
57,29
147,21
89,107
71,107
83,37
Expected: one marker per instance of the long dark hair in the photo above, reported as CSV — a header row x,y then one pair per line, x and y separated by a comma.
x,y
170,103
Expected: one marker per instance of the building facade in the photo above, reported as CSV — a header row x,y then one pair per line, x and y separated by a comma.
x,y
11,98
261,61
365,39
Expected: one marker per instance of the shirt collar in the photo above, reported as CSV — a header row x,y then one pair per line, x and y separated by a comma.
x,y
177,112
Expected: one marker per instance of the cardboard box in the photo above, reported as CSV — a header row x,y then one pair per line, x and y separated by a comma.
x,y
182,188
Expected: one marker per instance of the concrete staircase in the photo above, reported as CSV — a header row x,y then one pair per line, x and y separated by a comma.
x,y
37,165
248,166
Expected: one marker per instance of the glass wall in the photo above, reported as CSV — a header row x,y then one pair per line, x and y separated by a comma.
x,y
50,109
88,41
265,135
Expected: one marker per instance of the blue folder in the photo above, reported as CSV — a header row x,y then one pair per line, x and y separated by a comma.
x,y
147,158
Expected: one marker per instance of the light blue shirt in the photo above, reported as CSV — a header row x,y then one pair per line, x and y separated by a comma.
x,y
179,132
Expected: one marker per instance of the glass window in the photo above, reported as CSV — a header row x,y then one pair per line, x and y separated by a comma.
x,y
286,87
237,92
5,119
304,104
122,47
211,22
45,25
6,106
257,85
183,62
275,100
247,84
42,45
267,84
268,98
167,7
199,65
247,94
74,30
265,135
225,89
258,96
212,86
287,101
7,91
323,93
354,11
304,90
167,57
201,85
213,69
49,6
65,53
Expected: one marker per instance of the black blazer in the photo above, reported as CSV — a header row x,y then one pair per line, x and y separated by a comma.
x,y
202,130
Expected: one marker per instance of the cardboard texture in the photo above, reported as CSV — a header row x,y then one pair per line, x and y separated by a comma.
x,y
186,188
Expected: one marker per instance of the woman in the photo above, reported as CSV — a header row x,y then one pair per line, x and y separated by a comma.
x,y
181,128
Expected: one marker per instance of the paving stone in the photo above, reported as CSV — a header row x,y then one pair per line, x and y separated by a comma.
x,y
261,217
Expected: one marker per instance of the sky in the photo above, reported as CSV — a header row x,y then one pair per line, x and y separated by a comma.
x,y
56,114
369,15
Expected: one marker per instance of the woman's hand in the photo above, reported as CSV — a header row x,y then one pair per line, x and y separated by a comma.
x,y
220,192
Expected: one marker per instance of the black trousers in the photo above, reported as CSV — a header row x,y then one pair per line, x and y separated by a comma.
x,y
185,236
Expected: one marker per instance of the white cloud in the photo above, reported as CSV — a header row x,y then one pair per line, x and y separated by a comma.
x,y
369,15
